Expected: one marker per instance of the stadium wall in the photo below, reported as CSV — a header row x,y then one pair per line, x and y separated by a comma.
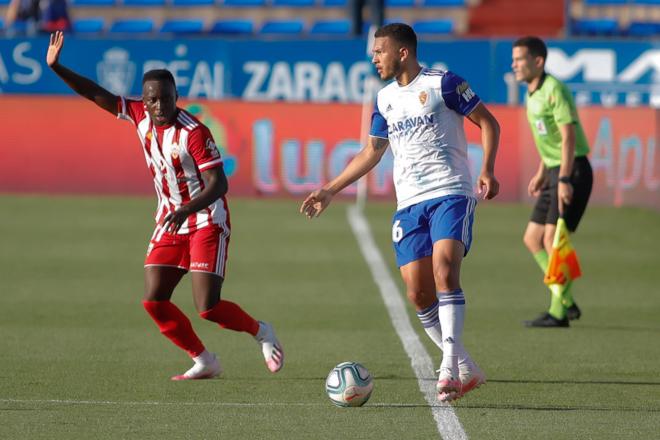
x,y
65,145
599,72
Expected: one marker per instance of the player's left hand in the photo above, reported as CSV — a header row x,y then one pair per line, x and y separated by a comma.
x,y
487,185
564,195
173,221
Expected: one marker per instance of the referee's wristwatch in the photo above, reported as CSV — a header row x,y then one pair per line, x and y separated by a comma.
x,y
565,179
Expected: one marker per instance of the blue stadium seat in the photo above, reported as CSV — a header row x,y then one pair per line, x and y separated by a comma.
x,y
19,26
647,2
331,27
334,3
294,3
90,25
643,29
443,3
2,24
185,3
605,2
399,3
93,2
183,26
596,26
144,3
282,27
367,24
4,3
246,3
443,26
233,27
132,26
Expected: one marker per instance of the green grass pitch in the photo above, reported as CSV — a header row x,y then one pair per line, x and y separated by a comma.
x,y
80,359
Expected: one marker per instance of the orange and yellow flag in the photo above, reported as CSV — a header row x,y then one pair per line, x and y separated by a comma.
x,y
563,265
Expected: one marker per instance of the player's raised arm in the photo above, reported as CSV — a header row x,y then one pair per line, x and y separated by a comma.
x,y
364,161
79,84
487,184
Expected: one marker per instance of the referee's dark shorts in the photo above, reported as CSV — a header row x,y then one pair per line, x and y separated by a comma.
x,y
546,210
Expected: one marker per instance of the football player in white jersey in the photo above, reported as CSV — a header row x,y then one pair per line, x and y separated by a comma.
x,y
420,116
192,222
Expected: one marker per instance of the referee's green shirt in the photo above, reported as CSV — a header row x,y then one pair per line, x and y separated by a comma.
x,y
548,107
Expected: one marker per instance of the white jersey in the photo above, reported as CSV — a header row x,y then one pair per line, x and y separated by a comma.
x,y
176,156
423,122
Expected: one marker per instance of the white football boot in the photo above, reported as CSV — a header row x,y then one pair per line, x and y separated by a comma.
x,y
448,386
471,378
207,366
270,347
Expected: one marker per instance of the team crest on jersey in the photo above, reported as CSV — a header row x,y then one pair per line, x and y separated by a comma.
x,y
422,97
175,151
540,127
149,135
212,148
465,91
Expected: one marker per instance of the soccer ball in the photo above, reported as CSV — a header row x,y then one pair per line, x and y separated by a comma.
x,y
349,384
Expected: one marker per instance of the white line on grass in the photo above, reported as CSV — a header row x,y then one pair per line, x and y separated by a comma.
x,y
446,420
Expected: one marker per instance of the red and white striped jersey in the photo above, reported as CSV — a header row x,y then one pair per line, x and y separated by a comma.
x,y
176,156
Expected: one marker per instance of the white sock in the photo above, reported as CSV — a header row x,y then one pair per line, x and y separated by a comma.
x,y
451,312
431,323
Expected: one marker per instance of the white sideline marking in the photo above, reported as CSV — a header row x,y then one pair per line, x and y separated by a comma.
x,y
446,420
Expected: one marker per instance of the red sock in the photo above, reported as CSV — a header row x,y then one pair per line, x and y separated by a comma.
x,y
174,325
230,315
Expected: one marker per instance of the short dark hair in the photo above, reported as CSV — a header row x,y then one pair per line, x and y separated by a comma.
x,y
401,33
534,45
162,75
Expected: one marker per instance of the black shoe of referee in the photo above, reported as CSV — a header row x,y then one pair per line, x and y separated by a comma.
x,y
573,312
546,320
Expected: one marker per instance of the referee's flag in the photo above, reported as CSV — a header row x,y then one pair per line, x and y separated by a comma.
x,y
563,265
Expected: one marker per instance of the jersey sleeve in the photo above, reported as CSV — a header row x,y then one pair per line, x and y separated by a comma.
x,y
203,150
378,123
562,110
458,95
130,110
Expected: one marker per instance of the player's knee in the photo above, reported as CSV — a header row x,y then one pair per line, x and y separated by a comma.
x,y
446,279
532,242
155,294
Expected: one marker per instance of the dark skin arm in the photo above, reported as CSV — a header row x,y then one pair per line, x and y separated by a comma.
x,y
216,187
79,84
216,181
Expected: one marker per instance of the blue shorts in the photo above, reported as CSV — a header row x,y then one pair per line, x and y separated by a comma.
x,y
417,227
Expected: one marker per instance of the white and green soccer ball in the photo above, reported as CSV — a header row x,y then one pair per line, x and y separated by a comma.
x,y
349,384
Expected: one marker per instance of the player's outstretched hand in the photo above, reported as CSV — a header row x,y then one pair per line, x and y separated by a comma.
x,y
54,48
315,203
487,185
